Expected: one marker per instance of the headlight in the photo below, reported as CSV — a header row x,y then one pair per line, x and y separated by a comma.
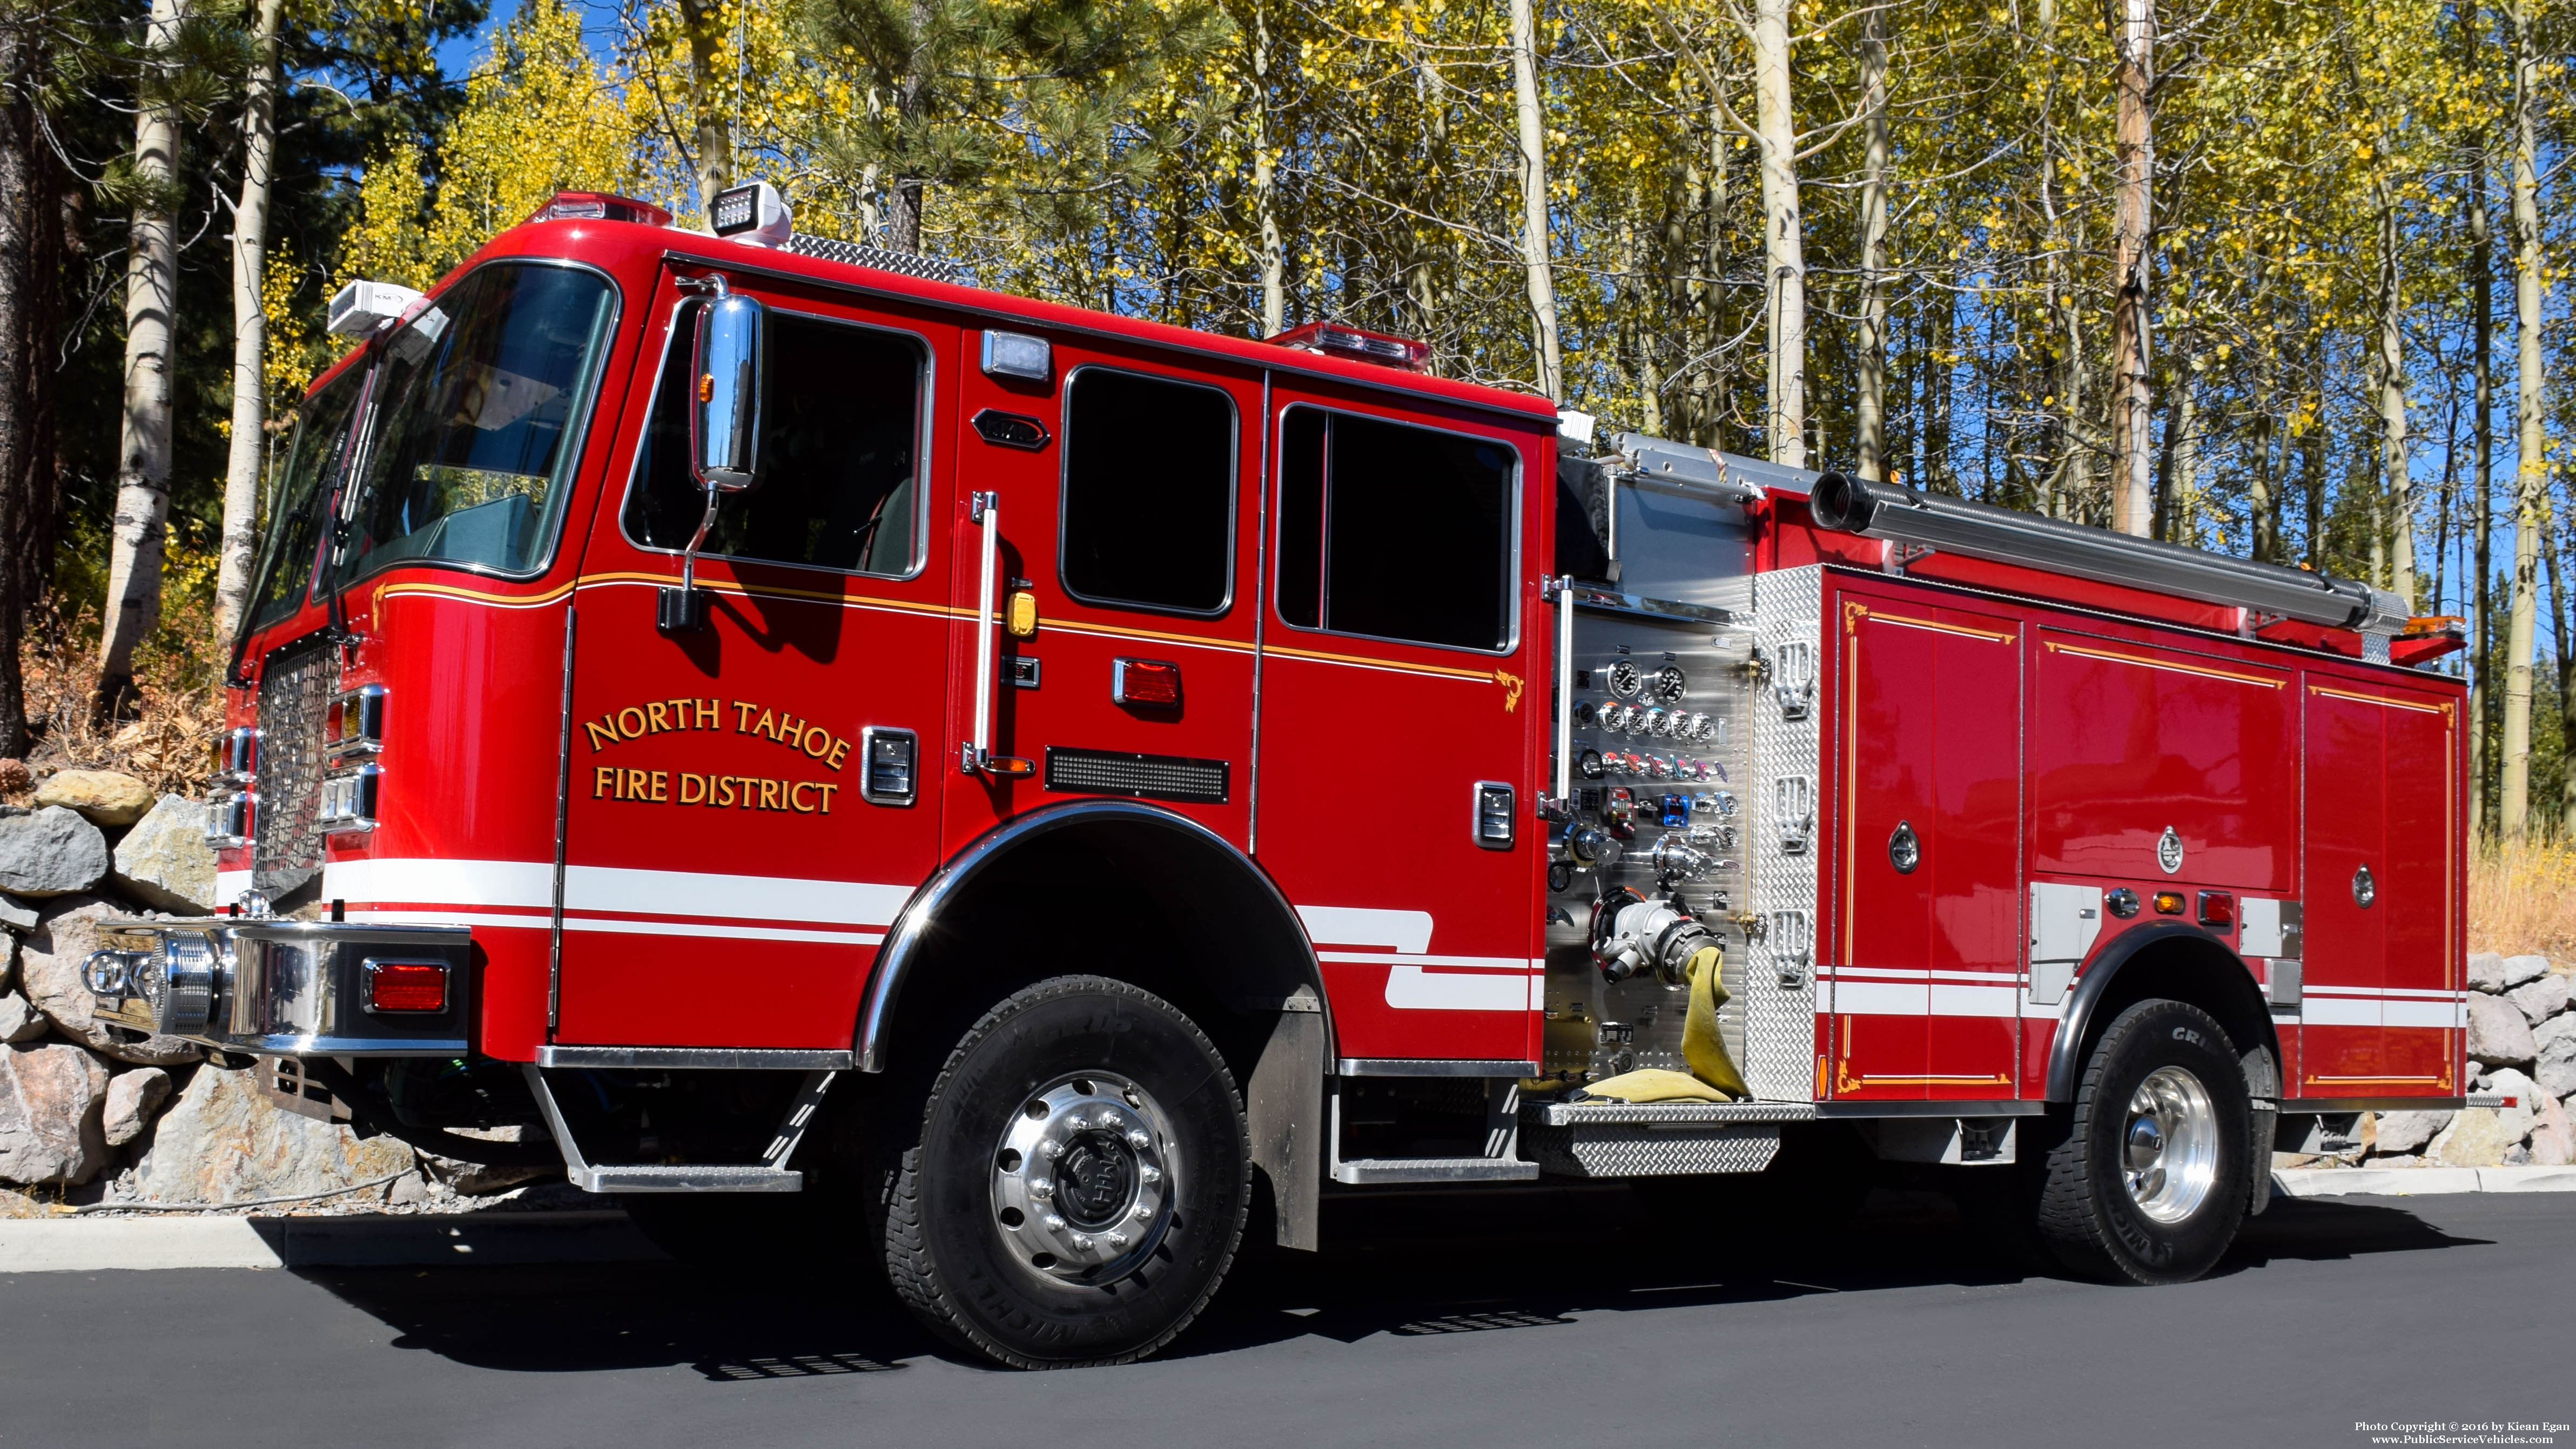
x,y
348,800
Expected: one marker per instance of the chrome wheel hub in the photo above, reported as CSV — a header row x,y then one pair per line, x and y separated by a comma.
x,y
1082,1179
2169,1148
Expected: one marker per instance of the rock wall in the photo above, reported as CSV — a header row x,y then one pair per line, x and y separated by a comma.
x,y
2522,1047
93,1113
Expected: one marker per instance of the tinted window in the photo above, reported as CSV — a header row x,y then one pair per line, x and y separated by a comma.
x,y
476,399
1148,491
1394,531
840,419
295,524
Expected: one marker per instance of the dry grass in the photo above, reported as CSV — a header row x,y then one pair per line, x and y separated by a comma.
x,y
162,742
2522,899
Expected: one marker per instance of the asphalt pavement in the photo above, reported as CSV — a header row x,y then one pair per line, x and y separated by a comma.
x,y
1547,1317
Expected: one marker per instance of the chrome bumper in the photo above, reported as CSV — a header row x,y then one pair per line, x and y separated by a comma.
x,y
277,987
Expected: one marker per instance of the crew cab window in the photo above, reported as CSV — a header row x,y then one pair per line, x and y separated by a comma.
x,y
1395,531
1148,492
840,455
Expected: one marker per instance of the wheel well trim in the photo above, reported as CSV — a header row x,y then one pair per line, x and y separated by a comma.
x,y
906,938
2065,1053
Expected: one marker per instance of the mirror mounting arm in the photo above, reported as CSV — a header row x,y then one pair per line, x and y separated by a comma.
x,y
683,610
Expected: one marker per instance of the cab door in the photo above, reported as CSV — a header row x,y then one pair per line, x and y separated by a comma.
x,y
1926,995
1113,480
746,811
1401,685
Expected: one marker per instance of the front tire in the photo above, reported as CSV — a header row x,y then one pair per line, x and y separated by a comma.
x,y
2150,1183
1074,1183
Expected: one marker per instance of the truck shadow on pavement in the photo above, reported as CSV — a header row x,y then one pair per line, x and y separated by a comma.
x,y
1413,1264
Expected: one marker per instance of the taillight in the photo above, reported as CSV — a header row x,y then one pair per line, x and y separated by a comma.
x,y
2218,910
403,985
1149,682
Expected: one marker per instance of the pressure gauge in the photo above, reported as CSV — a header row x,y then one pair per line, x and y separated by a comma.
x,y
1654,722
1584,714
1669,683
1588,764
1698,727
1624,680
1665,722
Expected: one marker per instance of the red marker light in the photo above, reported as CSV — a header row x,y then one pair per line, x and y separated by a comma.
x,y
1148,682
2218,910
405,986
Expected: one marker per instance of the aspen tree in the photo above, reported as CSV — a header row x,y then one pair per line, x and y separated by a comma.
x,y
2132,508
2531,475
1870,441
250,333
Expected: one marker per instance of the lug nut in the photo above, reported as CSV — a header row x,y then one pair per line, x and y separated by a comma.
x,y
1055,1223
1050,1150
1139,1140
1140,1212
1115,1240
1148,1173
1041,1189
1082,1242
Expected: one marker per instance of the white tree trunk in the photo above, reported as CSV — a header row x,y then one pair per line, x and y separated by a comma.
x,y
1534,230
1783,241
1265,185
2531,474
702,21
143,450
250,337
2398,484
1870,444
2133,485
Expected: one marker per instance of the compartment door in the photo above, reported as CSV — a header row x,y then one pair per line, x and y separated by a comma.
x,y
1925,997
2380,1009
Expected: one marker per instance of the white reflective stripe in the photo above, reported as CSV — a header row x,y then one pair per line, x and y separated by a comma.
x,y
2007,976
742,897
2339,1011
1479,963
2413,993
1876,998
452,918
2420,1013
530,884
1975,1000
1406,931
229,884
631,928
1410,988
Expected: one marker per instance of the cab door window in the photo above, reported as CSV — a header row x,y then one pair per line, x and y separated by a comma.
x,y
840,452
1148,492
1395,531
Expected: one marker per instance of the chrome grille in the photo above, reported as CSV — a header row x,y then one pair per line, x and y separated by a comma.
x,y
286,848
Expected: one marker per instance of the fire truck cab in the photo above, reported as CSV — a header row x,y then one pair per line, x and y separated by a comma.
x,y
750,714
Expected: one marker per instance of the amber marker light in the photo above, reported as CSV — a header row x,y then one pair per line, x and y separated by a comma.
x,y
2168,903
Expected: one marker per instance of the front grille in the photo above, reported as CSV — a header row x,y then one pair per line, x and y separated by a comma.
x,y
1146,777
295,688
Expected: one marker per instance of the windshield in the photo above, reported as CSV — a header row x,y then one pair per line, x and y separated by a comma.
x,y
321,437
478,401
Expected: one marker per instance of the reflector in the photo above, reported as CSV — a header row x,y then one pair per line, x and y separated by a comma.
x,y
1146,682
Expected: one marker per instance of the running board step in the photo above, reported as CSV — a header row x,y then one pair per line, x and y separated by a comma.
x,y
1433,1169
612,1178
1654,1139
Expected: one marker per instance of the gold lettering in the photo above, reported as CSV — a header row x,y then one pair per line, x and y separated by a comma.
x,y
687,782
636,784
742,709
724,790
796,797
659,714
840,752
661,785
818,742
708,714
601,732
768,725
631,731
769,795
827,789
602,779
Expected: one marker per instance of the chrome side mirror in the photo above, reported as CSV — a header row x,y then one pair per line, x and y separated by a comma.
x,y
731,355
728,362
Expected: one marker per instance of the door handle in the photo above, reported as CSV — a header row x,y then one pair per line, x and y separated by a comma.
x,y
975,756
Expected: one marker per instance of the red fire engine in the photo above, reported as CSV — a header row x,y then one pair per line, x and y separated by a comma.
x,y
1115,784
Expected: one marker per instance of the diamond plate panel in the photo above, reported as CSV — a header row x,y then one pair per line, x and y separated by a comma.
x,y
1780,1020
1650,1149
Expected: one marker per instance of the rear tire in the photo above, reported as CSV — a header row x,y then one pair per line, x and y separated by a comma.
x,y
1071,1185
2149,1184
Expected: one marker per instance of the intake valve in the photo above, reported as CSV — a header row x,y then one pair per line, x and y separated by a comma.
x,y
1632,935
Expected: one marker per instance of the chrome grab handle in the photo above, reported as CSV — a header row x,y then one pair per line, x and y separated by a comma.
x,y
1565,692
986,508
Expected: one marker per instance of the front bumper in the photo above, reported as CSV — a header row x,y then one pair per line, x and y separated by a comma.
x,y
277,987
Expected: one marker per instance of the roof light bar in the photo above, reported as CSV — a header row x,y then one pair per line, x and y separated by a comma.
x,y
1357,344
599,206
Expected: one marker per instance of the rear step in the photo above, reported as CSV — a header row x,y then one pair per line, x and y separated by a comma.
x,y
771,1174
1654,1139
1434,1169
